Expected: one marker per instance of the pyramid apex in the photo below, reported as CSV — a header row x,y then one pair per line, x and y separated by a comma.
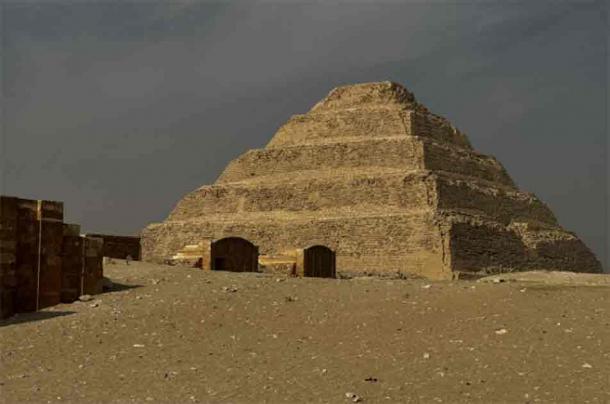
x,y
366,94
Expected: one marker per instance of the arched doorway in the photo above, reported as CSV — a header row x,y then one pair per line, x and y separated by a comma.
x,y
319,261
234,254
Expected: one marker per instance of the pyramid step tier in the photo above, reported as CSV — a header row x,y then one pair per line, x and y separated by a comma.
x,y
479,245
361,190
365,123
376,242
406,153
413,236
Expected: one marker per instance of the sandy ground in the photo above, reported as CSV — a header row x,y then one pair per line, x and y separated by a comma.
x,y
171,334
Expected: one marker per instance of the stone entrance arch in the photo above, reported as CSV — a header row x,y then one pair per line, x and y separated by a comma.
x,y
318,261
234,254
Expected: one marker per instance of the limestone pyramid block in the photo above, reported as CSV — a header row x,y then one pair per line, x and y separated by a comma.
x,y
372,174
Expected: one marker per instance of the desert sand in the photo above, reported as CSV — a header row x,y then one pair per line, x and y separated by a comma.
x,y
177,334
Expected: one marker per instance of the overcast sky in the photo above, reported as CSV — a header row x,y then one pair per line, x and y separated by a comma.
x,y
121,108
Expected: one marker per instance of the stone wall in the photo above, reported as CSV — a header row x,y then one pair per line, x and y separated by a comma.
x,y
39,240
8,255
72,266
119,246
31,237
396,237
93,271
38,258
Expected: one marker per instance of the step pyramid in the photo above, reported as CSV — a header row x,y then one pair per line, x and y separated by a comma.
x,y
391,187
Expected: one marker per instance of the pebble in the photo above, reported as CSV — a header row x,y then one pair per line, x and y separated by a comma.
x,y
501,331
426,355
353,396
85,298
587,366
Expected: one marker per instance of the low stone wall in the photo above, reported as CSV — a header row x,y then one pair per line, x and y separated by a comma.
x,y
284,264
120,246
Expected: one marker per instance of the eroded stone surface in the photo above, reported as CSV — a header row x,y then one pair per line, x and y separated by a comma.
x,y
388,185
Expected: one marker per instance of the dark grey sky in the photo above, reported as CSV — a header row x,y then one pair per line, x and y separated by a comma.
x,y
120,108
